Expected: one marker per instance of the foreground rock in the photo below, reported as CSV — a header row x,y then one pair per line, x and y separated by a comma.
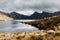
x,y
43,35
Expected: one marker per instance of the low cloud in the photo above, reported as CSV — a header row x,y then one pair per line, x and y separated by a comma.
x,y
35,5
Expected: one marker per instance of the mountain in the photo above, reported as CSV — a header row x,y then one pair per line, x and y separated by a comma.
x,y
15,15
4,16
35,15
57,13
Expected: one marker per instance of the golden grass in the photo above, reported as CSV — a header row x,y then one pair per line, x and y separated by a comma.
x,y
4,17
47,23
44,35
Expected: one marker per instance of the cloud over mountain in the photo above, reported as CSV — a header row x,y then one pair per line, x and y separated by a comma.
x,y
35,5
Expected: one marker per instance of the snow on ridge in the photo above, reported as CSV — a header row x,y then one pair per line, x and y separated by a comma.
x,y
28,13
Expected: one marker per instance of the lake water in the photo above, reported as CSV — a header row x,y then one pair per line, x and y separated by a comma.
x,y
15,26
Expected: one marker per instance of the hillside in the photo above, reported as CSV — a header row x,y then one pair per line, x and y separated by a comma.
x,y
35,15
47,23
49,28
5,16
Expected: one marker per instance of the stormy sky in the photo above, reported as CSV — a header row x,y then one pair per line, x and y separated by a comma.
x,y
27,5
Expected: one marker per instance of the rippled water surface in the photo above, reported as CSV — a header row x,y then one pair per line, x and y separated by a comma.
x,y
15,26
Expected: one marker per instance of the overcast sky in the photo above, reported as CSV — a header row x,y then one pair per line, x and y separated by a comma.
x,y
26,5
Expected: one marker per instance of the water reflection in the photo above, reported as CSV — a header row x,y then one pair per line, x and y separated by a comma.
x,y
15,26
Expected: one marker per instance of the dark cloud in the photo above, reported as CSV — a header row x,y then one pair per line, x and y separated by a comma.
x,y
36,5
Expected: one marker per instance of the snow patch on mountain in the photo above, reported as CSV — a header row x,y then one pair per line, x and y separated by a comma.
x,y
28,13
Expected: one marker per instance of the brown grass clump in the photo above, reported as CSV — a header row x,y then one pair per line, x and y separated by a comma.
x,y
44,35
47,23
5,17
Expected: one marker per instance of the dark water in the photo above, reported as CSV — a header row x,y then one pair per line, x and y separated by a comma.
x,y
15,26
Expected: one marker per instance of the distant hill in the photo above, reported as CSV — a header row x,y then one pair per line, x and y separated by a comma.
x,y
4,16
35,15
15,15
52,22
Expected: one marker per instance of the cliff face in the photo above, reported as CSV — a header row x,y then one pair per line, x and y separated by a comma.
x,y
4,16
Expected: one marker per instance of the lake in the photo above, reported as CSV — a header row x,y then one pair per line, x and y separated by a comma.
x,y
16,26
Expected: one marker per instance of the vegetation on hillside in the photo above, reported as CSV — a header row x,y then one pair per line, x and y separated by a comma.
x,y
45,35
4,16
47,23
